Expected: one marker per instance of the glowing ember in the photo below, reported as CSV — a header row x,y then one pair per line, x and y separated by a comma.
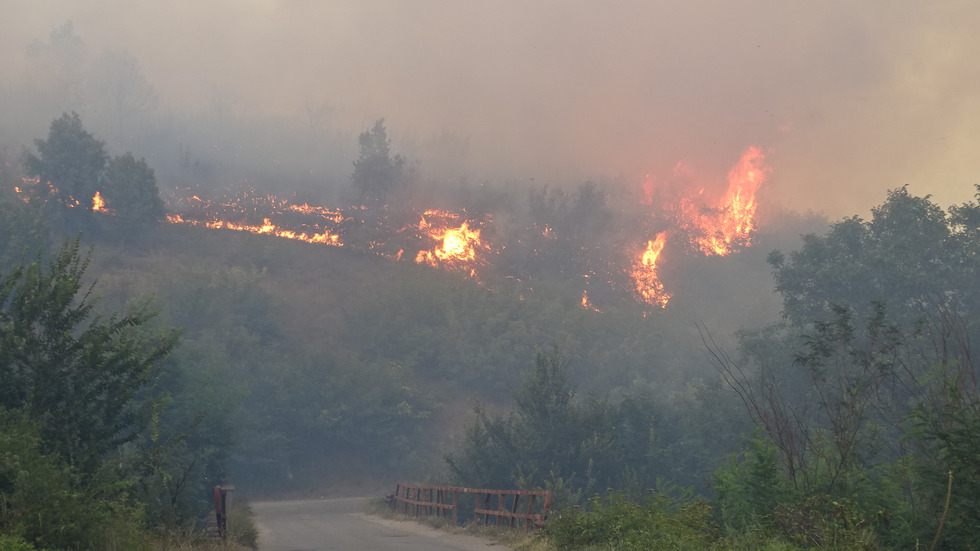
x,y
648,286
334,215
587,304
722,228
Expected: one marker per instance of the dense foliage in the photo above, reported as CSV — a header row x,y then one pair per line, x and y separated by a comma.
x,y
70,382
304,368
72,171
866,394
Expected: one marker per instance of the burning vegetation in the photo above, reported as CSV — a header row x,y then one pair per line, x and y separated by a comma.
x,y
457,241
458,249
573,236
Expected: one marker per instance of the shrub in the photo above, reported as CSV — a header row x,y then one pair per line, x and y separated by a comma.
x,y
659,521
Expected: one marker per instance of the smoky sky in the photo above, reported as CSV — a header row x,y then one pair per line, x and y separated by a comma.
x,y
849,98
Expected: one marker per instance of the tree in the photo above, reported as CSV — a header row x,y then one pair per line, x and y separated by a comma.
x,y
46,507
908,256
867,390
549,440
59,64
68,168
123,89
74,373
376,172
129,188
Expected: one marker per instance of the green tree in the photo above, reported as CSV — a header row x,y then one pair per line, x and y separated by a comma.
x,y
76,374
129,188
376,172
68,167
45,505
908,255
551,439
868,389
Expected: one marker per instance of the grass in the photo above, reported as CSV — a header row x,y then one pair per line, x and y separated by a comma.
x,y
241,535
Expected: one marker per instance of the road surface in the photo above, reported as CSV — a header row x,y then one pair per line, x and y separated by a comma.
x,y
340,524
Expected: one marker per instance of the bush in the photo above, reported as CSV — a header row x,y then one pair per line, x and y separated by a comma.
x,y
44,504
657,522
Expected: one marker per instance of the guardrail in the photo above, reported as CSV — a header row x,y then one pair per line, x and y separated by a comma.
x,y
516,507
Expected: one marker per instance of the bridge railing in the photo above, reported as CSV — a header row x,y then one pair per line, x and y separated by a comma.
x,y
515,508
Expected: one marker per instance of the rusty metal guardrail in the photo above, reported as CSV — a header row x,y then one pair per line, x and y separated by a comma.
x,y
516,507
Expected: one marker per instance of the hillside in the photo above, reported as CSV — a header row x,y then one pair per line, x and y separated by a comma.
x,y
326,348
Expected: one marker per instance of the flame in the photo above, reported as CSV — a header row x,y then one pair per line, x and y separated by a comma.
x,y
98,203
455,242
22,194
586,303
456,247
648,286
231,214
723,228
333,215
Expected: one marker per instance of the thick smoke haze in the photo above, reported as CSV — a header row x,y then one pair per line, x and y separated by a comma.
x,y
850,98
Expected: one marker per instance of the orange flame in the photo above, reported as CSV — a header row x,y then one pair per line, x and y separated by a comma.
x,y
98,203
648,286
586,303
267,227
456,246
729,225
231,214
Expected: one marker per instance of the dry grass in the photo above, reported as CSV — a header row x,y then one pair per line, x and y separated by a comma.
x,y
242,535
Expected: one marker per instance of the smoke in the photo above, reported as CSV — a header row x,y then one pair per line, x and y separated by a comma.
x,y
851,98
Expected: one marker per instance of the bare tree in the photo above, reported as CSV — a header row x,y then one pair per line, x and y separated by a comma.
x,y
123,89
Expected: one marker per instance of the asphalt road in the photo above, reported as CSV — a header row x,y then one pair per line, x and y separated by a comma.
x,y
340,524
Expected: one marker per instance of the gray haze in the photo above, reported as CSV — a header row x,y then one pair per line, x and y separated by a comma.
x,y
852,98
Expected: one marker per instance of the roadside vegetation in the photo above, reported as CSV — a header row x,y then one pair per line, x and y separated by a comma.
x,y
142,363
864,400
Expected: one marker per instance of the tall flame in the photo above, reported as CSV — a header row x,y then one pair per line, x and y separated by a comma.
x,y
647,283
98,203
722,228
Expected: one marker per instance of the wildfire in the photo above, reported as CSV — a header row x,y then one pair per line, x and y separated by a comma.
x,y
586,303
722,228
98,203
267,227
648,286
455,241
334,215
456,247
316,224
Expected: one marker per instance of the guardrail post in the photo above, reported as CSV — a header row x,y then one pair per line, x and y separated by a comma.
x,y
455,506
513,509
530,511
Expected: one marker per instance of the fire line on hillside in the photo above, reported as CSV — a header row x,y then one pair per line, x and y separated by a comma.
x,y
455,241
